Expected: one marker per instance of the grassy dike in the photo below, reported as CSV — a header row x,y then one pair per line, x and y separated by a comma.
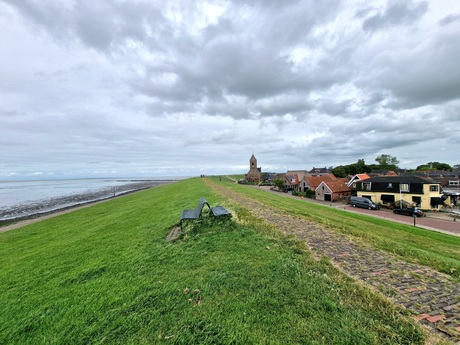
x,y
106,274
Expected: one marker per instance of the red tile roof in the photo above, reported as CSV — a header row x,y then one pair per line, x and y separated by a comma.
x,y
337,186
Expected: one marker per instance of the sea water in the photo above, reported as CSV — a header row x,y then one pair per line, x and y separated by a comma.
x,y
26,198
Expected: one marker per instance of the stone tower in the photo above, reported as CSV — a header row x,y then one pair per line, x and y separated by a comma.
x,y
254,174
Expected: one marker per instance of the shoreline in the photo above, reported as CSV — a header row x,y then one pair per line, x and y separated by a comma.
x,y
18,222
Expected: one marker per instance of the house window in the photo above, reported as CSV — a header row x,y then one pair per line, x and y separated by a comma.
x,y
387,198
366,186
433,188
417,200
404,187
390,185
454,183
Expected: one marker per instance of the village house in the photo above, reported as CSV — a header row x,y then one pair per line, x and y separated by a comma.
x,y
312,182
333,190
357,178
416,191
293,178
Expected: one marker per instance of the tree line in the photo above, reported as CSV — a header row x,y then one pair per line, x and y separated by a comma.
x,y
384,162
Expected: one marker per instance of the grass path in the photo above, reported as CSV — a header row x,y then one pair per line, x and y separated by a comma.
x,y
432,297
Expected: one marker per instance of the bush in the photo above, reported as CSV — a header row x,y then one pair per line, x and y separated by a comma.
x,y
310,194
279,183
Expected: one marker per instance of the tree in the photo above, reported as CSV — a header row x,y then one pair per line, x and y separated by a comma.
x,y
279,182
361,166
339,171
435,166
351,169
387,162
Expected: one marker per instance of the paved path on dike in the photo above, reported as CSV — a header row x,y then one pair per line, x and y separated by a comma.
x,y
433,297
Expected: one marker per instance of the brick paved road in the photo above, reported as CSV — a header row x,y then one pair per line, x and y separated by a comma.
x,y
433,297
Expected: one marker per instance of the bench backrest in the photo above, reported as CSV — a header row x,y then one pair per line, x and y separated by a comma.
x,y
201,204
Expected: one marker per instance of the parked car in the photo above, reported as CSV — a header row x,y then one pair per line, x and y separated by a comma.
x,y
363,203
409,211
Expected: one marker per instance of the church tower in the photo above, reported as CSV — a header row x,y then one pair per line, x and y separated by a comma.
x,y
254,174
252,162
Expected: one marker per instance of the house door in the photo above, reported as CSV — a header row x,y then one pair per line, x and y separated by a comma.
x,y
327,197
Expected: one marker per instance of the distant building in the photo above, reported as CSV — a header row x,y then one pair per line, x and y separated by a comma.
x,y
319,171
254,174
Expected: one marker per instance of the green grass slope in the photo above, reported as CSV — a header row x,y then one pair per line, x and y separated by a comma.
x,y
106,274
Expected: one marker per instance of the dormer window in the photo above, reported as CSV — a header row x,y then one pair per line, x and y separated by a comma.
x,y
404,187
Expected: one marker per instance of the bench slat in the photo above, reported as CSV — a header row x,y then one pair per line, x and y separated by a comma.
x,y
218,211
189,214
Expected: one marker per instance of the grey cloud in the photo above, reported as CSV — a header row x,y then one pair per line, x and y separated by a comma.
x,y
229,59
431,76
95,24
13,113
396,13
100,25
295,104
107,25
332,107
45,14
359,136
452,18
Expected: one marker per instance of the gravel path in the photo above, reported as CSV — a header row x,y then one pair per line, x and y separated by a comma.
x,y
433,297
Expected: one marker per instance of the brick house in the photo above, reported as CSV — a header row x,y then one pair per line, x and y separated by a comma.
x,y
333,190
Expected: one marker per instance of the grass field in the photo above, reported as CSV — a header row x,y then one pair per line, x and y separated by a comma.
x,y
106,274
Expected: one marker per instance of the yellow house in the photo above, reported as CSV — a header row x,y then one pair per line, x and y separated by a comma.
x,y
416,191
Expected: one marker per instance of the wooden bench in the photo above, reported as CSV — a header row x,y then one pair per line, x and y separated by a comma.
x,y
217,211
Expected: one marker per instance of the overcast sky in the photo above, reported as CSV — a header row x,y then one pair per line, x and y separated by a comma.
x,y
151,88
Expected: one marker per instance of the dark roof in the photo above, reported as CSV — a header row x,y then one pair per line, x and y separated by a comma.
x,y
401,179
319,171
382,172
